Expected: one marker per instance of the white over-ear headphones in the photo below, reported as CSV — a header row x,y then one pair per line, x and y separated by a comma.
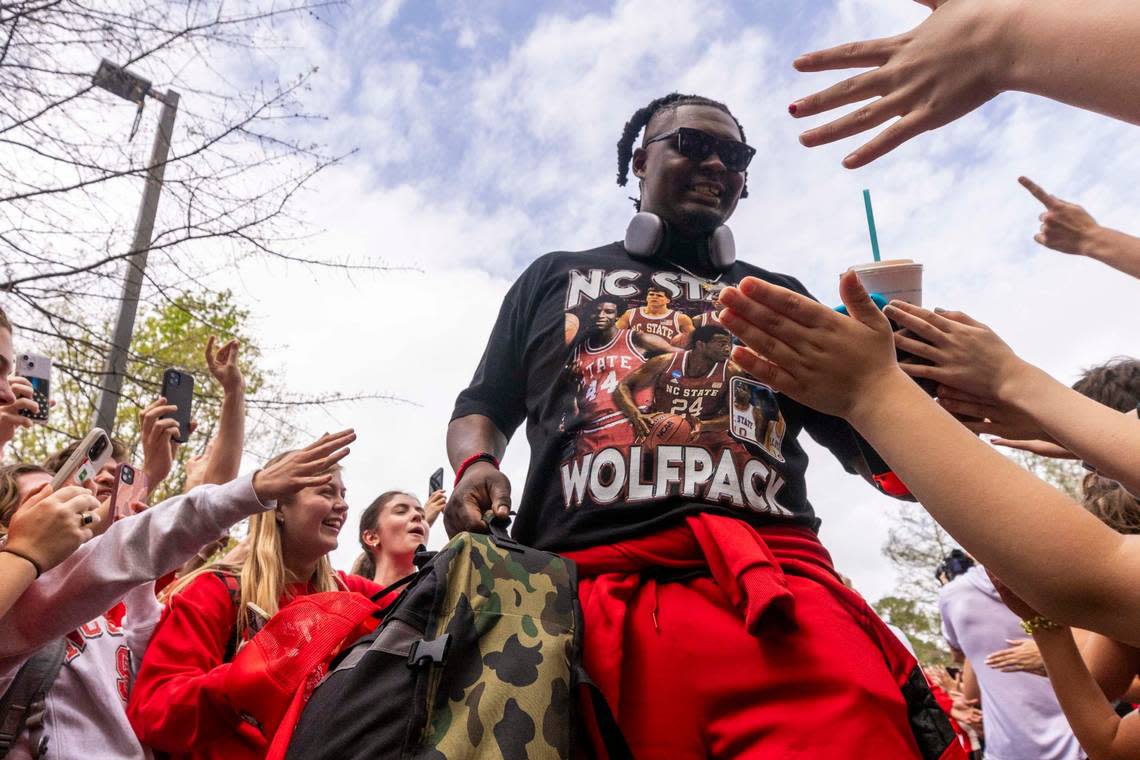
x,y
648,234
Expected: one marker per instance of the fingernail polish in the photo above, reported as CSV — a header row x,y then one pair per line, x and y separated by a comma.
x,y
939,310
792,109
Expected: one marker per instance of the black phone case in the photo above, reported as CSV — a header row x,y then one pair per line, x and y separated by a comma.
x,y
180,395
435,482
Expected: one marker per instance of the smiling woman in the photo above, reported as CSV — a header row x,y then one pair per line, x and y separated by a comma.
x,y
182,701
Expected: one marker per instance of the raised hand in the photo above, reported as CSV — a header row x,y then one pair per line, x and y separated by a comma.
x,y
158,440
10,418
223,365
819,357
49,525
1065,227
434,506
305,468
966,354
937,72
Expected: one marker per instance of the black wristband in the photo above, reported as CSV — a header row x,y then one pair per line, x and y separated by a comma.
x,y
35,565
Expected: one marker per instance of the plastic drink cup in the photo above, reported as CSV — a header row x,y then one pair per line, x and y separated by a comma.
x,y
893,279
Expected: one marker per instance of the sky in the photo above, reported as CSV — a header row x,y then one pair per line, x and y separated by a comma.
x,y
485,135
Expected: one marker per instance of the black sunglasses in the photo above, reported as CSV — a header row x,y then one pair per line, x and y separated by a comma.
x,y
697,145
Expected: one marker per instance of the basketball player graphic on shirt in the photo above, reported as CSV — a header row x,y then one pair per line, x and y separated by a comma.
x,y
656,318
710,317
692,384
603,358
756,417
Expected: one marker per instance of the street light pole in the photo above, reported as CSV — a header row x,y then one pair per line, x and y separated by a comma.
x,y
113,371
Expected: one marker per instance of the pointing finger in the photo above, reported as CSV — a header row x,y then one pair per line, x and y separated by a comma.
x,y
1037,192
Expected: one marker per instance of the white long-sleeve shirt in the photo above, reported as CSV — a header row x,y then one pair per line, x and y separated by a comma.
x,y
85,709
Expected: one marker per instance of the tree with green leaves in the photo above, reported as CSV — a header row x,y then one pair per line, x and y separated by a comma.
x,y
172,336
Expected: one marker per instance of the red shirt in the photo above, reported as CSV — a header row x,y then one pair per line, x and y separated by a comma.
x,y
178,704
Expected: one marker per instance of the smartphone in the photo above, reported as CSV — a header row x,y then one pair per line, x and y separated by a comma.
x,y
435,482
178,390
130,487
85,462
37,369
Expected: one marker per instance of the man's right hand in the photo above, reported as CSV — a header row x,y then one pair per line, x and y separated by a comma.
x,y
482,487
49,526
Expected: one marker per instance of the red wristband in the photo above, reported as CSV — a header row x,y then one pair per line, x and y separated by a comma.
x,y
890,484
482,456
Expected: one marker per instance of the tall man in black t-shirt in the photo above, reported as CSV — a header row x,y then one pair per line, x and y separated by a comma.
x,y
715,623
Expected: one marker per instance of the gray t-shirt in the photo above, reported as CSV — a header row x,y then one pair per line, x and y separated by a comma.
x,y
1022,717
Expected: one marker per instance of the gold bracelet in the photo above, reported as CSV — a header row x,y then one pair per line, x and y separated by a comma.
x,y
1038,623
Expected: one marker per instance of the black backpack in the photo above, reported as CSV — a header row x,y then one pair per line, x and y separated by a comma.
x,y
480,656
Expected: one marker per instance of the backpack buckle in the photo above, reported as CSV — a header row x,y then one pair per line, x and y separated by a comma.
x,y
434,651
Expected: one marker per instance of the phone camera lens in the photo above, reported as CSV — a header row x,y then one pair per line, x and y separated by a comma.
x,y
96,449
128,477
175,378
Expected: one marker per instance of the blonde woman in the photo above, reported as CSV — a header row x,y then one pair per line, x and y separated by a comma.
x,y
180,703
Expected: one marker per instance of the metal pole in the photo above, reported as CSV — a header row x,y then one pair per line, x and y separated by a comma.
x,y
116,365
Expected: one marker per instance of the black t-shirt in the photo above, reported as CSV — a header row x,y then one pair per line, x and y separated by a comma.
x,y
718,440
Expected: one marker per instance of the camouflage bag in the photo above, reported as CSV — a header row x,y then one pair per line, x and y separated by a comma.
x,y
479,657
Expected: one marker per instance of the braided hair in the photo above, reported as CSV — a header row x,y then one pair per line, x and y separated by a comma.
x,y
641,118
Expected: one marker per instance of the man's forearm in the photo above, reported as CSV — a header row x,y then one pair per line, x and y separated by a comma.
x,y
1116,249
997,511
225,459
470,435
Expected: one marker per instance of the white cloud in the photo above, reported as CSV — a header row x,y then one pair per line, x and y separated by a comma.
x,y
470,169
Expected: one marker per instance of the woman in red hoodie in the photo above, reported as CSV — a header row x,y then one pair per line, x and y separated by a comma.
x,y
197,691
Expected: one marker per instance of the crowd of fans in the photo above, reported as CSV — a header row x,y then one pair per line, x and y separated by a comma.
x,y
140,619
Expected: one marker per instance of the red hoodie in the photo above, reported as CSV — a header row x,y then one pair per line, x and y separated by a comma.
x,y
179,703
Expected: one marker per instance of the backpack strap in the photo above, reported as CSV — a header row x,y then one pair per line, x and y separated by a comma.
x,y
615,744
24,702
233,585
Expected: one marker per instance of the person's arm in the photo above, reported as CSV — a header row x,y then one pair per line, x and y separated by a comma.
x,y
158,444
16,574
44,531
225,458
489,410
643,376
133,551
145,546
178,700
434,506
1112,664
971,692
482,485
969,356
1102,734
967,52
1068,228
846,366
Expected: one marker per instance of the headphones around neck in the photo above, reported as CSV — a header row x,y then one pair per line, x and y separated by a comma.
x,y
648,235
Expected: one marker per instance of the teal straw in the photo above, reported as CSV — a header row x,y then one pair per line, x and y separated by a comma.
x,y
871,224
